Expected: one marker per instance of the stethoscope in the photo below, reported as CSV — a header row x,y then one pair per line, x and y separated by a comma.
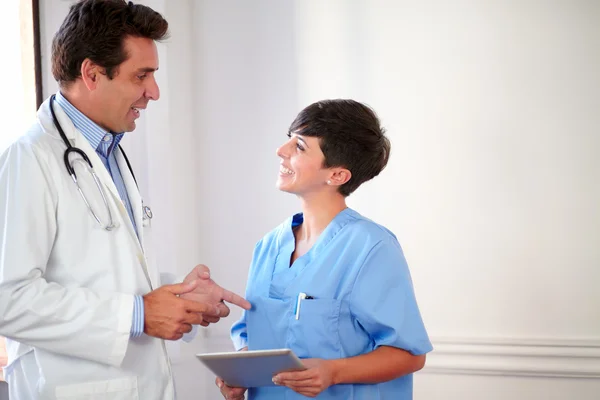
x,y
147,212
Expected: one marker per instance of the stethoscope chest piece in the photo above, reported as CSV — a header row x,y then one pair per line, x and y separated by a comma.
x,y
147,212
146,215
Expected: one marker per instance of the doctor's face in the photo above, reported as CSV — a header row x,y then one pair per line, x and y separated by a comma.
x,y
120,100
301,170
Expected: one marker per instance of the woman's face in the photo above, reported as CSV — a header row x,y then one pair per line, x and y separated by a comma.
x,y
301,171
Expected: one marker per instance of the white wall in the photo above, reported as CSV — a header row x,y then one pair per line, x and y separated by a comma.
x,y
245,98
492,112
492,109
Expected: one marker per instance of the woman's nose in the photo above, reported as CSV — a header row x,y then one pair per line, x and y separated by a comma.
x,y
281,151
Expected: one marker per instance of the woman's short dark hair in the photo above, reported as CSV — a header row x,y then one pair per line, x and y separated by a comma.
x,y
96,29
350,136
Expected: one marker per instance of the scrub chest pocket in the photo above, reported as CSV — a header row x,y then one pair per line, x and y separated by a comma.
x,y
272,324
316,331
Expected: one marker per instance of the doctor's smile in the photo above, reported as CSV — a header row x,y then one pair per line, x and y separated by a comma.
x,y
136,111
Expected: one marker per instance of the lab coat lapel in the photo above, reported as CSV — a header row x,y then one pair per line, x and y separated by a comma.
x,y
105,178
133,192
136,204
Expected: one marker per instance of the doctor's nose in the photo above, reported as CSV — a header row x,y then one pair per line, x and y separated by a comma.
x,y
152,90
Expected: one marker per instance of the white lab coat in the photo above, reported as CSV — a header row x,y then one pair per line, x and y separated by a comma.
x,y
66,284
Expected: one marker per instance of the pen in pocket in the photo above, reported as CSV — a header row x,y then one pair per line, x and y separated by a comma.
x,y
301,296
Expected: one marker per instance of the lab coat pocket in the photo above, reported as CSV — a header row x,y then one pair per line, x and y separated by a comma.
x,y
114,389
315,333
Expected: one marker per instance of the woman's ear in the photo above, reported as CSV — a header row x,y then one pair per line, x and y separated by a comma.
x,y
339,176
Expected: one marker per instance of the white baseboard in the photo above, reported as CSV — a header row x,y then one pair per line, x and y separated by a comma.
x,y
531,357
562,358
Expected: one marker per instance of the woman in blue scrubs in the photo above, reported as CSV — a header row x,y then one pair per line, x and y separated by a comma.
x,y
328,283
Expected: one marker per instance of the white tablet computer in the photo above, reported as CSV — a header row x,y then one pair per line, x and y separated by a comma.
x,y
252,368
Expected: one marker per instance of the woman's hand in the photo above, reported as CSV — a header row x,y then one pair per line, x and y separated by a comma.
x,y
318,376
230,393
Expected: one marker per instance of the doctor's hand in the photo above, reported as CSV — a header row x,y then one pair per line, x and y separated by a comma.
x,y
209,292
316,378
229,392
168,316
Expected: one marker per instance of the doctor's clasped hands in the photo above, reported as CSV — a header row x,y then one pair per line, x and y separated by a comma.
x,y
171,310
208,292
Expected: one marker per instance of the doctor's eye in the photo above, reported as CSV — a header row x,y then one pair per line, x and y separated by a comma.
x,y
141,77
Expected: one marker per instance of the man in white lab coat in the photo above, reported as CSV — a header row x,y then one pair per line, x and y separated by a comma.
x,y
84,314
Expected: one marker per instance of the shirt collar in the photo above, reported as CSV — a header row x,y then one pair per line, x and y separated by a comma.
x,y
103,141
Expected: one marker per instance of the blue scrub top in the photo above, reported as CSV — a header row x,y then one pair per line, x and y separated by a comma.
x,y
362,298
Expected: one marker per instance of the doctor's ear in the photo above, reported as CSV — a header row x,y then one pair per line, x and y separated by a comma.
x,y
89,73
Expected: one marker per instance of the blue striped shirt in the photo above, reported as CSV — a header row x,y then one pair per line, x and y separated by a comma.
x,y
105,142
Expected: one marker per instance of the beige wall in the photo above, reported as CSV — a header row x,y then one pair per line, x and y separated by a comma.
x,y
28,91
3,358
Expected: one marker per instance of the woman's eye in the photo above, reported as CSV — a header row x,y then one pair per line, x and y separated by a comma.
x,y
300,147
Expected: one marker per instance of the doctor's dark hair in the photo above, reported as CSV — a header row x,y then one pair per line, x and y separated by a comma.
x,y
96,29
350,136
